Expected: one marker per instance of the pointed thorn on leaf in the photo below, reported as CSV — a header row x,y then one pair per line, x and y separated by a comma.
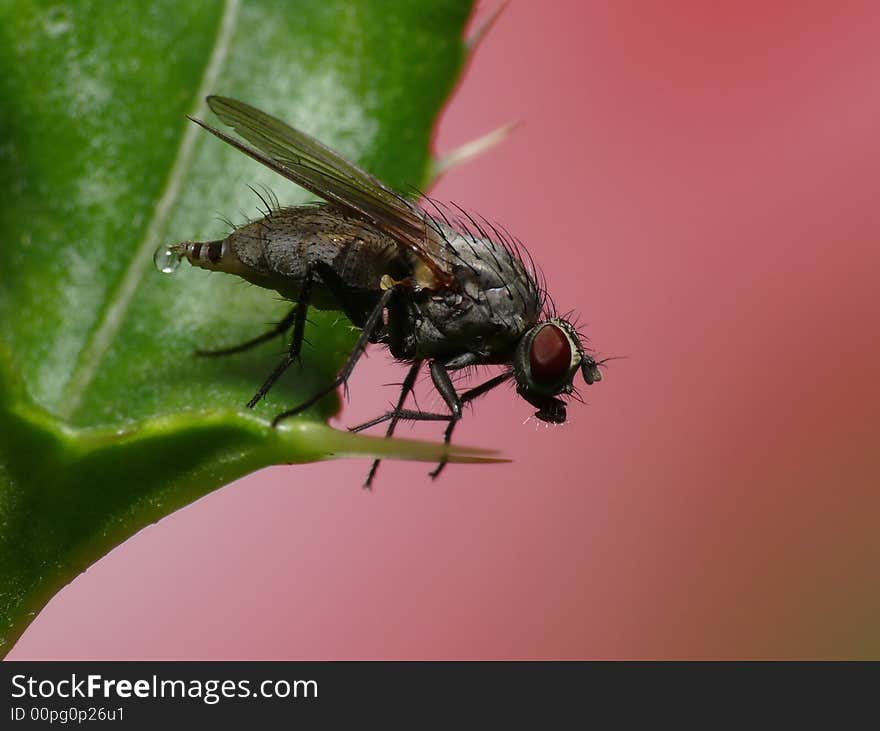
x,y
469,150
483,28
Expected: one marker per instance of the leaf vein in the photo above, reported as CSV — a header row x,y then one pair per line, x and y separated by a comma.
x,y
113,314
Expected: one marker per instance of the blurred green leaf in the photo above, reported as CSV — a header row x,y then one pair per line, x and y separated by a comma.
x,y
108,423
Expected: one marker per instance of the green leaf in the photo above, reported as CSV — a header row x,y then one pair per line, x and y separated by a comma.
x,y
108,422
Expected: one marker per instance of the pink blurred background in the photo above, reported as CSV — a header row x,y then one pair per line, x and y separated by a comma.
x,y
701,182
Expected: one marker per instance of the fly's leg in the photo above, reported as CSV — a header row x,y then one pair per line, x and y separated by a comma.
x,y
465,397
366,336
443,384
277,331
405,390
298,316
401,415
408,415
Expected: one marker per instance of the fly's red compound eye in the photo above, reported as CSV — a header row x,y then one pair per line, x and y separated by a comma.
x,y
550,355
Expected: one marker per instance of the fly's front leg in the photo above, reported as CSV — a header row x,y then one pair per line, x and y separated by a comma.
x,y
408,415
443,383
465,398
405,390
298,319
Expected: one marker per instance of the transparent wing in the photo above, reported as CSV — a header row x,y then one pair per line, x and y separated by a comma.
x,y
302,159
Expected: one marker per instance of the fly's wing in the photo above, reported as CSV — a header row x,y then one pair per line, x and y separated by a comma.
x,y
315,167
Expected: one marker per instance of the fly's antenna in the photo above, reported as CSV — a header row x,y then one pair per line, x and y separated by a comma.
x,y
611,357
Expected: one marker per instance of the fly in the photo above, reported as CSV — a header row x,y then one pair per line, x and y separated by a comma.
x,y
445,291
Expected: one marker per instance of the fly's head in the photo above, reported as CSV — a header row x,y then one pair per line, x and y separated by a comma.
x,y
545,363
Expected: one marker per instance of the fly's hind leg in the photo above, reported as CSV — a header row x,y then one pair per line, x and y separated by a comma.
x,y
277,331
297,318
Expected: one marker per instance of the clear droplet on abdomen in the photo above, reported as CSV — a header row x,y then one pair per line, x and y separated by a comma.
x,y
167,258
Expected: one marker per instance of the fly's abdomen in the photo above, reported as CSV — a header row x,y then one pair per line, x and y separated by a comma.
x,y
213,255
279,250
218,256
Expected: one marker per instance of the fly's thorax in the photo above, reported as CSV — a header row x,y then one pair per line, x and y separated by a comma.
x,y
440,324
493,276
495,301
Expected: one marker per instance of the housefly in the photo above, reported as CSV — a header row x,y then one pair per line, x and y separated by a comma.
x,y
447,291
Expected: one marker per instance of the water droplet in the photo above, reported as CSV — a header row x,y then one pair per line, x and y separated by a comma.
x,y
167,259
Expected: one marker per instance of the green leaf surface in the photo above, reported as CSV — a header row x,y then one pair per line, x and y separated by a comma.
x,y
107,421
